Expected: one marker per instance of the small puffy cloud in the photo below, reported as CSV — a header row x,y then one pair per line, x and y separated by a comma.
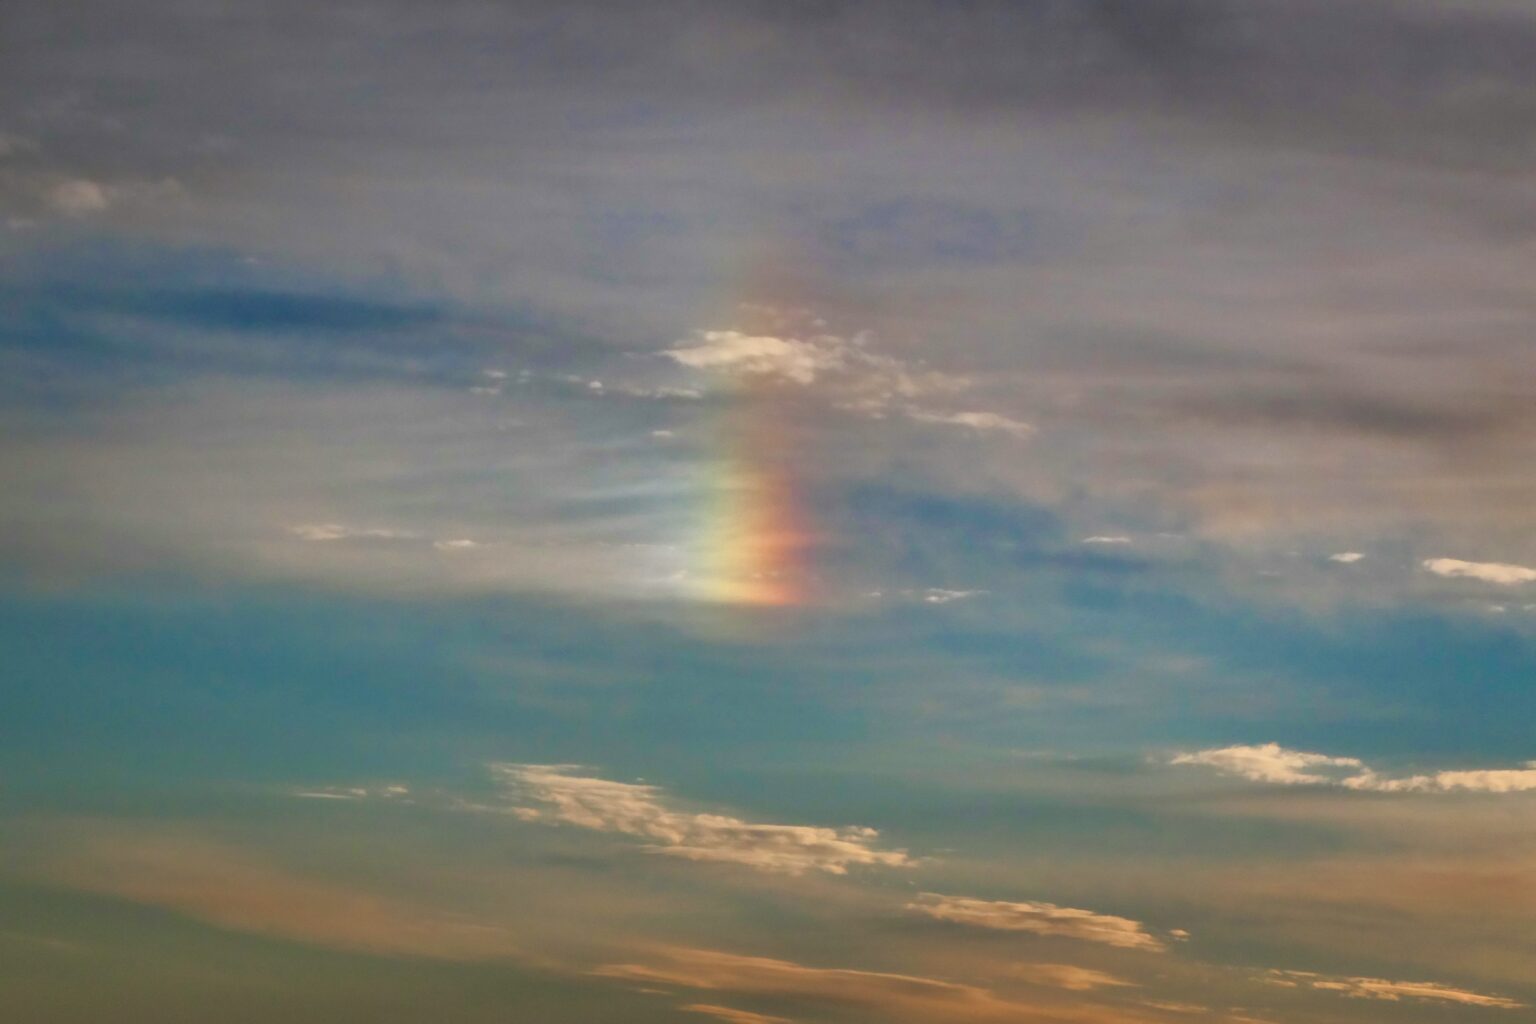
x,y
979,421
1391,991
847,369
797,359
1502,573
78,197
731,1015
1039,919
938,595
1069,976
1272,763
561,796
1346,557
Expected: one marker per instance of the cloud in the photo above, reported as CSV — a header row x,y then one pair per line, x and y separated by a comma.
x,y
894,996
11,145
1489,572
339,531
733,1016
847,370
1494,780
230,888
639,810
392,791
1391,991
1346,557
1039,919
798,359
978,421
1272,763
938,595
1107,539
78,197
1069,976
327,532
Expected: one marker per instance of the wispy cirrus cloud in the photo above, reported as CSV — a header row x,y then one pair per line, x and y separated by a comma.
x,y
322,532
981,422
731,1015
1277,765
893,996
1389,991
1070,977
1039,919
235,889
559,794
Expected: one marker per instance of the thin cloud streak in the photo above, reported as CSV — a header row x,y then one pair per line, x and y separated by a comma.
x,y
1273,764
1039,919
1390,991
562,796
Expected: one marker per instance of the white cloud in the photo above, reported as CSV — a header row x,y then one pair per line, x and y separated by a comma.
x,y
1488,780
1107,539
1039,919
978,421
78,197
1392,991
638,810
859,379
455,544
1346,557
1069,976
938,595
1272,763
1489,572
798,359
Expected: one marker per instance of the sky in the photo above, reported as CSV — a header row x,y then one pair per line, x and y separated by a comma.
x,y
800,512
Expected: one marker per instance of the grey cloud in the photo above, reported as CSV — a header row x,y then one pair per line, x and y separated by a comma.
x,y
1137,225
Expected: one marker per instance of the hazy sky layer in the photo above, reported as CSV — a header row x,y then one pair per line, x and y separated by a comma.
x,y
832,513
